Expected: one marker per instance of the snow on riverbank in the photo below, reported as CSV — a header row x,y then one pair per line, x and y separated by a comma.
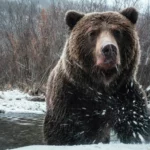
x,y
15,101
112,146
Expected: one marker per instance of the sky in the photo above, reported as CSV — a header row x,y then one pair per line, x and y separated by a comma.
x,y
141,7
142,1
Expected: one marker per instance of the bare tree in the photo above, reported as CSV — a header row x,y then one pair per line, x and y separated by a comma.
x,y
32,38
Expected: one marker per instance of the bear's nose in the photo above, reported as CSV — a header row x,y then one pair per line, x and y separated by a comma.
x,y
109,50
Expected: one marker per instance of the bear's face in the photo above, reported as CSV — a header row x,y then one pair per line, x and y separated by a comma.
x,y
103,44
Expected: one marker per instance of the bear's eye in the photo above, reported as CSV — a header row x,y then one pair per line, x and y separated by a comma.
x,y
117,33
92,35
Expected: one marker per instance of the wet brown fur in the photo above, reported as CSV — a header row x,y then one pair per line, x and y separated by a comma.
x,y
76,92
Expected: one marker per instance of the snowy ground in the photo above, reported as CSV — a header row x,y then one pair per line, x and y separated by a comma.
x,y
90,147
16,101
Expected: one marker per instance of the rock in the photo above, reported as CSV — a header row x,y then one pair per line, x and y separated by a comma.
x,y
2,111
1,97
37,99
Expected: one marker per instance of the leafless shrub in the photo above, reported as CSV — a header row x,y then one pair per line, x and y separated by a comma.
x,y
32,38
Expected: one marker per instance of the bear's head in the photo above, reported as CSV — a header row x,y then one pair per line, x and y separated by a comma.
x,y
104,45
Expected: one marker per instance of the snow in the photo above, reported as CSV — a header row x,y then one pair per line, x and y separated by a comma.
x,y
104,112
15,101
131,84
148,88
112,146
134,122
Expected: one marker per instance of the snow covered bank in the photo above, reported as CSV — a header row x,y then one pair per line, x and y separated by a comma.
x,y
90,147
16,101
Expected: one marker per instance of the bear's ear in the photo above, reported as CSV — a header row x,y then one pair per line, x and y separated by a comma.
x,y
72,17
131,14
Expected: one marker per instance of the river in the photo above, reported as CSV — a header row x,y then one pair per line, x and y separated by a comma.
x,y
18,130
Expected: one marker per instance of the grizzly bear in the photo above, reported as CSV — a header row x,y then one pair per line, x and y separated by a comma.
x,y
93,89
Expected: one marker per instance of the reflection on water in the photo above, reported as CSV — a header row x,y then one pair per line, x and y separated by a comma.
x,y
20,130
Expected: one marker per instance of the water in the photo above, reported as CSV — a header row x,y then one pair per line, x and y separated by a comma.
x,y
18,130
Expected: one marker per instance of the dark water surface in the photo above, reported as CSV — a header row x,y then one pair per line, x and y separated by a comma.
x,y
18,130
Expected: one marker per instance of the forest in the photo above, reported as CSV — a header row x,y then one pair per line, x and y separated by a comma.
x,y
32,38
